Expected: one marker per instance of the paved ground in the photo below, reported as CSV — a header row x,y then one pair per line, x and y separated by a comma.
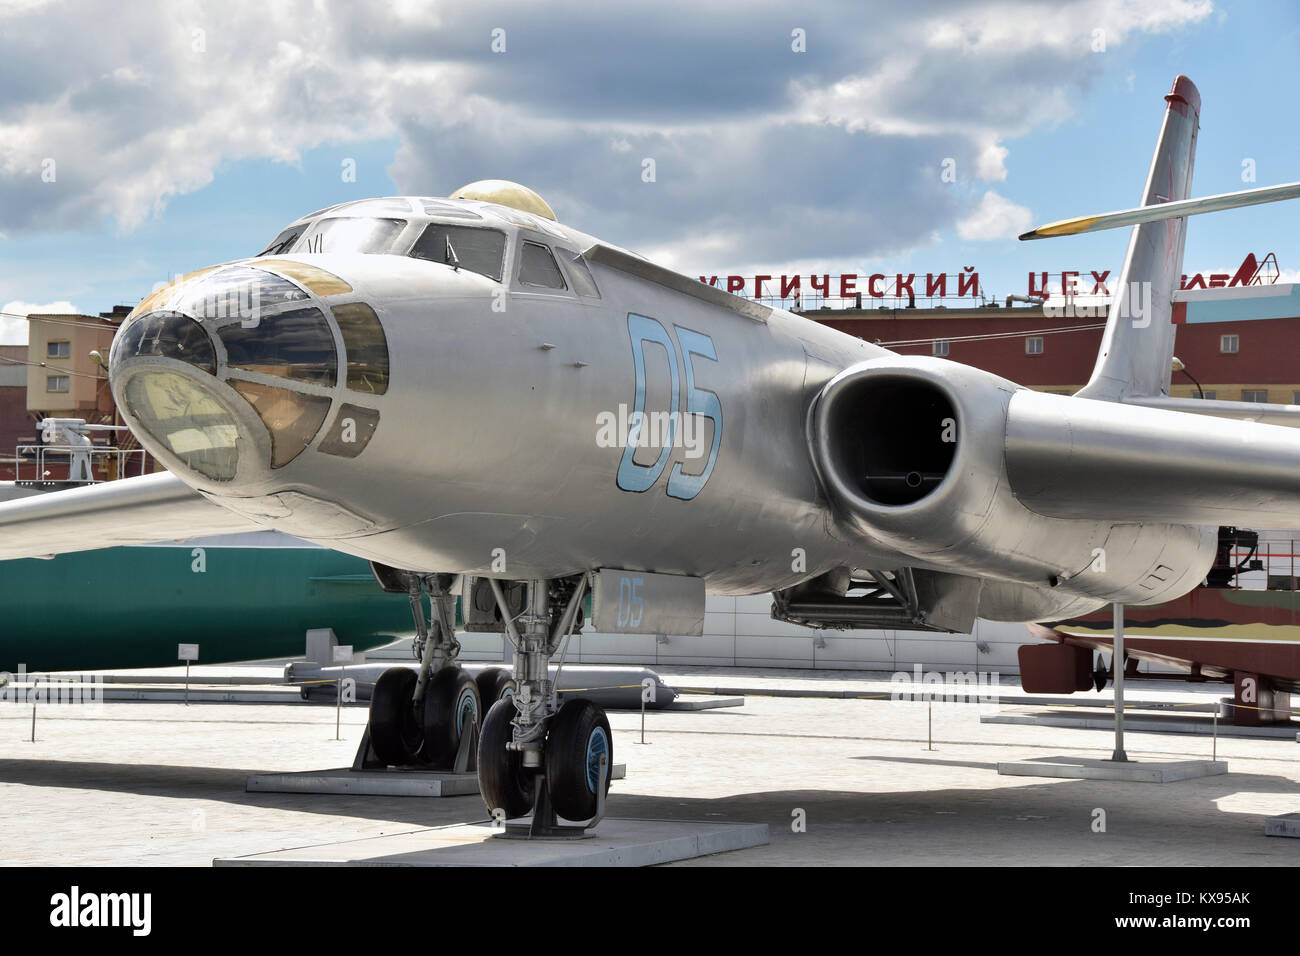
x,y
159,783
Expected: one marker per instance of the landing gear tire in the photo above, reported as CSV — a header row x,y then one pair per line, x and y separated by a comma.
x,y
579,735
395,734
504,783
495,684
449,709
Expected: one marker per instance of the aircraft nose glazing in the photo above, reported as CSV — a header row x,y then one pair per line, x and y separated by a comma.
x,y
232,371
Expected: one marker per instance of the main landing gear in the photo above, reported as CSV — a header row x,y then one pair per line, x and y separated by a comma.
x,y
429,718
532,755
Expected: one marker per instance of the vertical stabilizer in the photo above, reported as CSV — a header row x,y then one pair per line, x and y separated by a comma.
x,y
1138,345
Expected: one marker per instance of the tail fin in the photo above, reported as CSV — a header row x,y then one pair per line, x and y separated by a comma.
x,y
1138,346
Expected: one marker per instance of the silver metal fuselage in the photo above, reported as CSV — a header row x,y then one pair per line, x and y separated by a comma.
x,y
486,458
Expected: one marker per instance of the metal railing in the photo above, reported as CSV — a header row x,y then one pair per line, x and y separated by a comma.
x,y
116,461
1280,566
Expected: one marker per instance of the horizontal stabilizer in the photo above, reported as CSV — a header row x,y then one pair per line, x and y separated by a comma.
x,y
1262,412
1167,210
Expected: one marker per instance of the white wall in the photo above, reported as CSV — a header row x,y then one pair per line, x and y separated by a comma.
x,y
740,632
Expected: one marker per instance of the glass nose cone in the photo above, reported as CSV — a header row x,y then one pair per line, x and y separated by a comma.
x,y
166,335
188,419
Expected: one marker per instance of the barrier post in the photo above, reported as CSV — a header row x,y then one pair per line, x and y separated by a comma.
x,y
1117,665
342,654
187,653
1214,752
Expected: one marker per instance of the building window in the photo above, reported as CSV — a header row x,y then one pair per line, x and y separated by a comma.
x,y
1254,395
58,350
1295,398
1034,345
939,347
1209,394
1228,344
56,383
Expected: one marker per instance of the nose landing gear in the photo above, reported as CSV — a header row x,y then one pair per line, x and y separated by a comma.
x,y
533,755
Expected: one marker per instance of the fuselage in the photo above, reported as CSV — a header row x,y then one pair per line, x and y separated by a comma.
x,y
501,437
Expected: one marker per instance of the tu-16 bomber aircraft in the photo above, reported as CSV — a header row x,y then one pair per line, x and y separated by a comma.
x,y
491,406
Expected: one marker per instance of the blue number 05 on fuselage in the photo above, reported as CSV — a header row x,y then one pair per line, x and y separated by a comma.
x,y
702,402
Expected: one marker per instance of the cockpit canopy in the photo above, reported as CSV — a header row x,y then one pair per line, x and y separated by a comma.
x,y
469,234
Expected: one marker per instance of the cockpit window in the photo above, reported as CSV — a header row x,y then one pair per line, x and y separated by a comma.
x,y
366,345
583,283
194,424
376,207
351,234
446,210
292,418
284,241
537,267
237,293
296,344
466,247
169,335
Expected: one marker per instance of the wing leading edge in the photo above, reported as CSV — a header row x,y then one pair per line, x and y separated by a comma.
x,y
141,510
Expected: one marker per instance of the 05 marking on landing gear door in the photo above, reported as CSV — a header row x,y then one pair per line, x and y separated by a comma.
x,y
638,602
646,430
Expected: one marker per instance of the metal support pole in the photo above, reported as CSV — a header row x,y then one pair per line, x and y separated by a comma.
x,y
1214,751
35,684
1117,665
338,703
929,725
187,683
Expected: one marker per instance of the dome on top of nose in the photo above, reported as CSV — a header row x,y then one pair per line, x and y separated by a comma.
x,y
505,193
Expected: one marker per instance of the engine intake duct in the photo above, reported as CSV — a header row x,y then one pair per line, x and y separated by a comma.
x,y
909,450
893,437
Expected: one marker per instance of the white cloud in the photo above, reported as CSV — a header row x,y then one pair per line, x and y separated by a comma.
x,y
989,165
995,217
13,328
785,155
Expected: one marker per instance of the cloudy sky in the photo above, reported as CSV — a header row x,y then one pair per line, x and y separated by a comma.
x,y
141,139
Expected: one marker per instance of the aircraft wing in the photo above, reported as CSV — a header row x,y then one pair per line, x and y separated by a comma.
x,y
624,261
141,510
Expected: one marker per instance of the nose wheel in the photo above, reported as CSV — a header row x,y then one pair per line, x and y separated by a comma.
x,y
507,788
578,740
534,755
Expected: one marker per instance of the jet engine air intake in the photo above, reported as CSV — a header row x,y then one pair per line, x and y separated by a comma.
x,y
909,449
893,436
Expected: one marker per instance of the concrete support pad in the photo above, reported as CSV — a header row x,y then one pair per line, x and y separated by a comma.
x,y
690,701
171,692
377,783
1287,825
1091,768
613,843
1140,723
